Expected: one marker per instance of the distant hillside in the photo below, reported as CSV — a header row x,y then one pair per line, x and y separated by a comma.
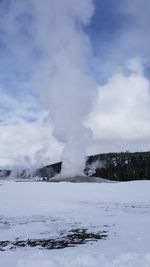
x,y
4,173
115,166
122,166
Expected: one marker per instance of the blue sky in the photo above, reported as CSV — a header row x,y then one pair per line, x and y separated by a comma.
x,y
116,39
114,20
107,21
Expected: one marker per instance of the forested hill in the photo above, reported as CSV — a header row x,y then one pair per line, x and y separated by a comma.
x,y
122,166
116,166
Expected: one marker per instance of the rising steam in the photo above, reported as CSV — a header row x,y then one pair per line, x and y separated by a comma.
x,y
59,51
62,75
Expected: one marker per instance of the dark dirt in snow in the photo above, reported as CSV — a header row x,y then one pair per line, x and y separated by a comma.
x,y
73,238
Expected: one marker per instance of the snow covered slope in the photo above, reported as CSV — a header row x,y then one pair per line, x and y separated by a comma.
x,y
46,210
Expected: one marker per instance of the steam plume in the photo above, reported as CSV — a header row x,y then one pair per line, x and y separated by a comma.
x,y
59,51
62,76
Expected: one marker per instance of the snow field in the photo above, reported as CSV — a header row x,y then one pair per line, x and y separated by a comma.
x,y
41,210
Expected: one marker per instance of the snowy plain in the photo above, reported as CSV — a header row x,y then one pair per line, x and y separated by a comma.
x,y
40,209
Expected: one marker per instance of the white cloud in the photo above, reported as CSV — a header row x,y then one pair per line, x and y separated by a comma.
x,y
121,117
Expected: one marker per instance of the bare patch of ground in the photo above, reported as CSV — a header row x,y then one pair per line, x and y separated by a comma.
x,y
73,238
80,179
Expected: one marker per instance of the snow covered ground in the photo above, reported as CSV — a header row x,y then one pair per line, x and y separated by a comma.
x,y
46,210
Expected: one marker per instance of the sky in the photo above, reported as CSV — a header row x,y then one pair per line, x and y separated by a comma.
x,y
106,39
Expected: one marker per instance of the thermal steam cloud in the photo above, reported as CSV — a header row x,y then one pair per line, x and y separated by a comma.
x,y
60,77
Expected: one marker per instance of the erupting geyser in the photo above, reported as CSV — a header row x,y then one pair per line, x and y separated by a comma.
x,y
62,76
60,51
